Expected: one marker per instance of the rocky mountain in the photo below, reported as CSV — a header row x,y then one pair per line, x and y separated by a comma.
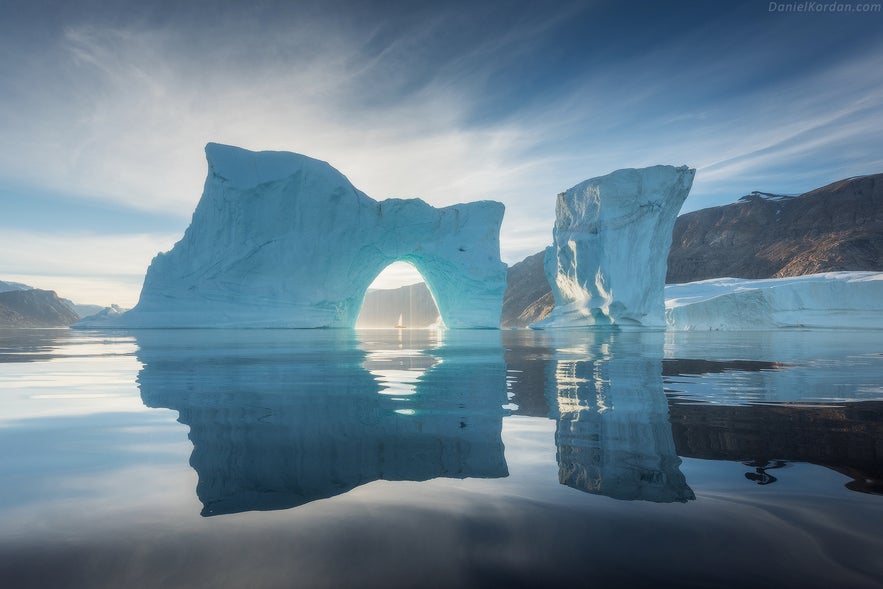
x,y
528,297
34,308
8,286
762,235
86,310
12,318
836,227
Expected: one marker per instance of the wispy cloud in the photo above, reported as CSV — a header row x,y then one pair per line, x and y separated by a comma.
x,y
439,103
133,114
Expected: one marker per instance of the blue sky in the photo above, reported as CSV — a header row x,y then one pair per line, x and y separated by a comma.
x,y
105,108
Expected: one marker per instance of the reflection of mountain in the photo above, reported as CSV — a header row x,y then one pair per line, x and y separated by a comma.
x,y
615,433
528,357
694,366
31,345
278,419
845,438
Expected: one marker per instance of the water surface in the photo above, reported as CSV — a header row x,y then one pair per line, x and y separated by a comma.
x,y
402,458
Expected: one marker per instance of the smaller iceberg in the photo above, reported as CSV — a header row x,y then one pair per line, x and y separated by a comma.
x,y
607,263
845,300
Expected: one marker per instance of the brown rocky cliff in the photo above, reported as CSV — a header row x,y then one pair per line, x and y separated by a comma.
x,y
528,297
836,227
34,308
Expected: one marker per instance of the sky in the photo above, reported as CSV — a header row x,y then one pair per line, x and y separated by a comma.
x,y
105,109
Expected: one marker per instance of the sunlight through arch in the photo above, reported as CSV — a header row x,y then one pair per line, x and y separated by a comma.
x,y
399,298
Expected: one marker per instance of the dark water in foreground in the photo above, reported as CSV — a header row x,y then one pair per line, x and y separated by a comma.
x,y
462,459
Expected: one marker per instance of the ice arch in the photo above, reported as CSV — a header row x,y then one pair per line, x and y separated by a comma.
x,y
283,240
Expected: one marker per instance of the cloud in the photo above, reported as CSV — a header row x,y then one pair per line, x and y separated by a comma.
x,y
397,274
88,268
133,109
434,102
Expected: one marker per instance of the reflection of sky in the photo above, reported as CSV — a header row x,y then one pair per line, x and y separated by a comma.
x,y
75,418
398,359
398,371
92,480
86,376
818,366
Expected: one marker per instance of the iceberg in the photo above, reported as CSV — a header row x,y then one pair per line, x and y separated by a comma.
x,y
283,240
847,300
607,262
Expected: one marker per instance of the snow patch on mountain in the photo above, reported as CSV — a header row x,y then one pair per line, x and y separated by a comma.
x,y
756,195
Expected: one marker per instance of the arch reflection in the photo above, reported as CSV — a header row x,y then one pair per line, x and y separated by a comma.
x,y
282,418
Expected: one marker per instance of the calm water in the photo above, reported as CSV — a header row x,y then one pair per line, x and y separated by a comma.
x,y
463,459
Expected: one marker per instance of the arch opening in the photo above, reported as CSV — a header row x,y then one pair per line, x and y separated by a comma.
x,y
399,297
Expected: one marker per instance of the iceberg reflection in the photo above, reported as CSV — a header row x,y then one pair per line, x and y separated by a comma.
x,y
613,435
605,391
798,397
282,418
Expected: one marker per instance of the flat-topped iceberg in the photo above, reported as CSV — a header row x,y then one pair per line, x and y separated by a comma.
x,y
612,234
846,300
283,240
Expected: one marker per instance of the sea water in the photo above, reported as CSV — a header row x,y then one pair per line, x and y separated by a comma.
x,y
418,458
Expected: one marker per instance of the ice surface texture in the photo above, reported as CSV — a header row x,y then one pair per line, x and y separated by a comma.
x,y
607,262
283,240
847,300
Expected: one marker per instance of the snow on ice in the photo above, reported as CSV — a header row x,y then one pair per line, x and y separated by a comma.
x,y
846,300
